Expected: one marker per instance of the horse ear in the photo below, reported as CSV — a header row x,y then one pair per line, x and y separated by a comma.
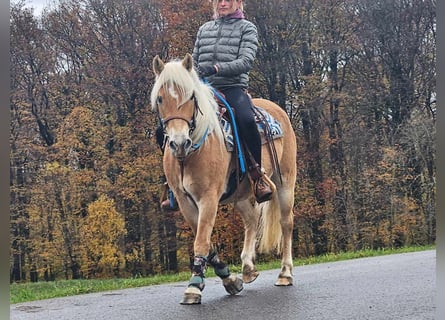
x,y
187,62
158,65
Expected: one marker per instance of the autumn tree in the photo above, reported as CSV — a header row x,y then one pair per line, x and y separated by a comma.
x,y
357,79
102,231
32,124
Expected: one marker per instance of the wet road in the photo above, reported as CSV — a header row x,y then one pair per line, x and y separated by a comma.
x,y
400,286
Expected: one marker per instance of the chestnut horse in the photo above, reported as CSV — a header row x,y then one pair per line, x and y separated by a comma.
x,y
197,165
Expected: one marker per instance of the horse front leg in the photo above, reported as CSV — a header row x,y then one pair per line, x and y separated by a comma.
x,y
231,282
192,294
202,228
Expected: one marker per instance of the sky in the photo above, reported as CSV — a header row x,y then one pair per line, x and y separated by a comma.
x,y
38,5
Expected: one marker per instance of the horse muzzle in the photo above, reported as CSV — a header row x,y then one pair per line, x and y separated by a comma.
x,y
180,146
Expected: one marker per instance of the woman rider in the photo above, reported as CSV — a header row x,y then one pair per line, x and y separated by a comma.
x,y
224,52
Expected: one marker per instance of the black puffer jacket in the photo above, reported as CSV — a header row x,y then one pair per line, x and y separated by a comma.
x,y
231,44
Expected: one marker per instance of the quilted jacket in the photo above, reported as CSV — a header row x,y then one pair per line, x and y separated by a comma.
x,y
231,44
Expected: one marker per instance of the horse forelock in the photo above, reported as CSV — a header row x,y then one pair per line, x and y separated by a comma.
x,y
174,75
169,79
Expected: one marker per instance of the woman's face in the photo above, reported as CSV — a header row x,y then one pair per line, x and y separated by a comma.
x,y
226,7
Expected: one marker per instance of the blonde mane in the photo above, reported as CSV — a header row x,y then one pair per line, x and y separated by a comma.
x,y
188,83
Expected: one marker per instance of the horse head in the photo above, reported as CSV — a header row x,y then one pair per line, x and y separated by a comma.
x,y
185,105
175,103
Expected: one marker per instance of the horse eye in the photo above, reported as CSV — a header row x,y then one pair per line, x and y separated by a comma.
x,y
159,100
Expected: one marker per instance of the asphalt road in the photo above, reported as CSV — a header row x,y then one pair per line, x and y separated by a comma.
x,y
400,286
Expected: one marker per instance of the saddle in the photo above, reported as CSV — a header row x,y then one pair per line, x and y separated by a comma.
x,y
268,127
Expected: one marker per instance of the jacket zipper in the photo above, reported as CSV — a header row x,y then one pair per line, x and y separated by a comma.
x,y
215,48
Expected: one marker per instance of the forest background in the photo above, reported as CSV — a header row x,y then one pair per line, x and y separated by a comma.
x,y
356,77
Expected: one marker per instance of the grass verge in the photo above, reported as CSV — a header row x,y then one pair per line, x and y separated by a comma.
x,y
23,292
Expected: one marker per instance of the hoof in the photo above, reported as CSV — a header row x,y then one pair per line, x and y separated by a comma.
x,y
192,295
284,281
249,274
233,284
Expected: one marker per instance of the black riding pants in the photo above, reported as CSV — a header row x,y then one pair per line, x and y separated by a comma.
x,y
244,116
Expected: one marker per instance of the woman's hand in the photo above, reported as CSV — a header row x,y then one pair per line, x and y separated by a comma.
x,y
205,71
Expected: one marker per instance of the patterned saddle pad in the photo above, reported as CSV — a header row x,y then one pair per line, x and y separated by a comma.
x,y
274,127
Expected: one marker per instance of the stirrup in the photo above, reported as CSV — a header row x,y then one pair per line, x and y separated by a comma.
x,y
272,185
261,181
263,191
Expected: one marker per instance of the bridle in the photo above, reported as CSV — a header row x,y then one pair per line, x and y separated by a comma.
x,y
191,123
192,126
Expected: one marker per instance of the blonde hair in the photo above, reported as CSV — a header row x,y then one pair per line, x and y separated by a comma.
x,y
215,6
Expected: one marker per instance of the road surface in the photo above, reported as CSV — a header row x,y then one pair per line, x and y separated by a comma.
x,y
399,286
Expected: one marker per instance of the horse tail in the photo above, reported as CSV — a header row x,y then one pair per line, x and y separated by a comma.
x,y
269,227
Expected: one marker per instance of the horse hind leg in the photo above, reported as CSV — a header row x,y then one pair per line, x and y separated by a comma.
x,y
275,233
231,282
285,278
250,219
250,273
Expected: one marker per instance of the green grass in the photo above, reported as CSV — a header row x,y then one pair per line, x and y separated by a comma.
x,y
22,292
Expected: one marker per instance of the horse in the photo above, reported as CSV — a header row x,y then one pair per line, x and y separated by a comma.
x,y
198,165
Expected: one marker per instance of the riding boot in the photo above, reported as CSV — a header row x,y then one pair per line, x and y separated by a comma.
x,y
170,203
263,187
